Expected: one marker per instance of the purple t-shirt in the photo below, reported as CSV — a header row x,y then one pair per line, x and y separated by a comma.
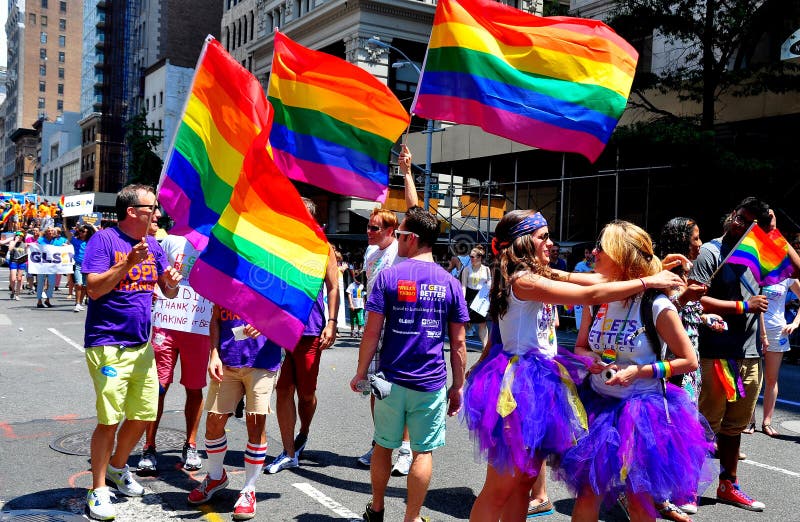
x,y
122,316
418,300
247,353
316,320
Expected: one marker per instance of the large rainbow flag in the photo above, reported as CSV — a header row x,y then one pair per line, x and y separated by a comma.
x,y
335,123
765,254
6,213
555,83
266,257
224,113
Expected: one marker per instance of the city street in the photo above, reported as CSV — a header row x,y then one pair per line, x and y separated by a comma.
x,y
47,415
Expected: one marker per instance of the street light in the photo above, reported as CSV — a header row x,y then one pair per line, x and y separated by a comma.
x,y
428,128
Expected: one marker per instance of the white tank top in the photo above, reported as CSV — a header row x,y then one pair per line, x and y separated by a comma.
x,y
528,325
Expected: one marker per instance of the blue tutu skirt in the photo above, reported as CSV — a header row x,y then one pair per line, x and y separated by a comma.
x,y
520,410
632,448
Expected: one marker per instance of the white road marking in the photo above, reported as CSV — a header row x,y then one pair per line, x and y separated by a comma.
x,y
772,468
66,339
327,501
5,320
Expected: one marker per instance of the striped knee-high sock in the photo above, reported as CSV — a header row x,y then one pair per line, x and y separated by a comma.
x,y
216,448
254,457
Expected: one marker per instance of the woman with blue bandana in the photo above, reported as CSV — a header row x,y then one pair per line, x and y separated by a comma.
x,y
520,403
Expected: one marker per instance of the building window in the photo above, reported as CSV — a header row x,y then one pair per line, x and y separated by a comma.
x,y
60,88
32,19
161,98
44,4
43,53
154,101
59,105
43,70
41,103
60,73
62,40
62,7
43,21
61,57
43,37
62,24
42,87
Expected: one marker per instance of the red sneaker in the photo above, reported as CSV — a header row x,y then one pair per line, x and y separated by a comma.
x,y
203,493
245,507
730,493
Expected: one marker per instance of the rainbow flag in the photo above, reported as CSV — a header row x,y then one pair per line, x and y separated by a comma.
x,y
266,257
7,213
555,83
727,371
766,255
224,113
61,203
335,123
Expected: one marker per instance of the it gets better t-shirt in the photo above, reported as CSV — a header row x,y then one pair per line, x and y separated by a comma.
x,y
418,299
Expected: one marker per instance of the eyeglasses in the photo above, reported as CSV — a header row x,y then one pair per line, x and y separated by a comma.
x,y
740,219
476,257
153,207
398,233
373,228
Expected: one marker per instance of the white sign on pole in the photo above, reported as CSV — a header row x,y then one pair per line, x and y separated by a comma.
x,y
50,259
78,205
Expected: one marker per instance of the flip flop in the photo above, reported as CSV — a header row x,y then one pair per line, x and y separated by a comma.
x,y
750,429
767,429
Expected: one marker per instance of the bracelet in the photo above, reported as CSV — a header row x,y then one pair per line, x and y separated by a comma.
x,y
739,307
644,285
746,306
331,320
661,369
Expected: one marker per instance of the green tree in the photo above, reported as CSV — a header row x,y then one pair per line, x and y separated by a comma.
x,y
144,165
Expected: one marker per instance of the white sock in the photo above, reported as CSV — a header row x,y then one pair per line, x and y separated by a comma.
x,y
216,449
405,446
254,457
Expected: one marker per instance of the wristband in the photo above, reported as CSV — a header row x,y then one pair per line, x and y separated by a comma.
x,y
739,307
746,306
331,320
644,285
661,370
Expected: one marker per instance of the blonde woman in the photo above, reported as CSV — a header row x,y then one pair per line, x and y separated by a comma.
x,y
644,441
475,280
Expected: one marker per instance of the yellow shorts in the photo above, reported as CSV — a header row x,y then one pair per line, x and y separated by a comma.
x,y
125,382
255,384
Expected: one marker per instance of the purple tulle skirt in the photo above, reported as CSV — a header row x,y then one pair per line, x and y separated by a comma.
x,y
548,418
632,448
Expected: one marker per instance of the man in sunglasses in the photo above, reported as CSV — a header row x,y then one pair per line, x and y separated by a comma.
x,y
733,293
122,265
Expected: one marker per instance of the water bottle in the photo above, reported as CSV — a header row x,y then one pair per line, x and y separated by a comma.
x,y
363,387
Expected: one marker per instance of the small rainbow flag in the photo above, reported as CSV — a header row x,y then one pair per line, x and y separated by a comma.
x,y
766,255
61,203
267,256
728,374
555,83
335,123
7,213
224,113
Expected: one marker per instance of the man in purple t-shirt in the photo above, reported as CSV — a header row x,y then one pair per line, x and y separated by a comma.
x,y
416,303
122,265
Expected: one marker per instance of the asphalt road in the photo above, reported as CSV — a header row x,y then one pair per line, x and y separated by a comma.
x,y
46,399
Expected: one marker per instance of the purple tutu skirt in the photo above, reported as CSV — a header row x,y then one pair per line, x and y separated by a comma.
x,y
545,418
632,448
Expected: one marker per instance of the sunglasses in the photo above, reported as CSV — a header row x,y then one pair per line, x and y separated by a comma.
x,y
399,233
544,237
373,228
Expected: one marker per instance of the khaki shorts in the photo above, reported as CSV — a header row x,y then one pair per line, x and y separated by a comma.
x,y
255,384
729,418
125,382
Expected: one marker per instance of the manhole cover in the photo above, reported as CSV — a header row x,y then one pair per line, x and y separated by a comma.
x,y
791,426
79,443
38,515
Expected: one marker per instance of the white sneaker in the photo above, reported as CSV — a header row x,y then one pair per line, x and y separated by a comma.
x,y
77,308
124,481
366,459
98,502
402,464
281,462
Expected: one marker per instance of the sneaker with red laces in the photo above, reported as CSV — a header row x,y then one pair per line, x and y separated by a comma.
x,y
245,507
730,493
203,493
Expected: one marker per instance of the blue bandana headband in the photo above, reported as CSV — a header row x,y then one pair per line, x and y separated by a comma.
x,y
527,226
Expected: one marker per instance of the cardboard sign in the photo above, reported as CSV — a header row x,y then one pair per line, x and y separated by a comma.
x,y
78,205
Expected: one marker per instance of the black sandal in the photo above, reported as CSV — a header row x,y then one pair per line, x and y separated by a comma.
x,y
767,429
750,429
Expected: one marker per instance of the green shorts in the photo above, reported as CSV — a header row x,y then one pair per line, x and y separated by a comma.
x,y
423,412
125,382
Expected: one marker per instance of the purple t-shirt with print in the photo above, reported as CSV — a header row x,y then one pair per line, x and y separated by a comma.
x,y
122,316
418,300
247,353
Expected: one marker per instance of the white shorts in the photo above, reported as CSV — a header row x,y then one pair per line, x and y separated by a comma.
x,y
775,339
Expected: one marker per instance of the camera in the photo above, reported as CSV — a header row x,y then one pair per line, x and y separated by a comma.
x,y
608,373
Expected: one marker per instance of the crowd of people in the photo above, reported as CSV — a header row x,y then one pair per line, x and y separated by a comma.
x,y
634,414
